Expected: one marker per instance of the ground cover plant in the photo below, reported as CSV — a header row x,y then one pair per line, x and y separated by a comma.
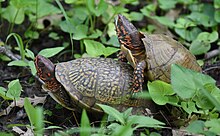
x,y
71,29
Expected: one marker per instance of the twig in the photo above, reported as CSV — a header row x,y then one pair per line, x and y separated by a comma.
x,y
212,54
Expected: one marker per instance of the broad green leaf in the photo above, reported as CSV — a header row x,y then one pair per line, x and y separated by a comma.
x,y
70,1
31,34
167,4
184,23
143,121
119,9
213,125
109,51
30,54
4,57
188,35
148,10
13,14
42,11
216,4
164,20
186,82
123,130
49,52
35,115
94,48
85,128
80,32
97,8
189,107
161,92
211,98
95,34
32,67
217,16
208,37
113,112
196,127
201,18
198,47
67,26
3,94
136,16
54,36
14,89
18,63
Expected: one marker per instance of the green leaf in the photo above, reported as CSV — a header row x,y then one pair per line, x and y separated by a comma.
x,y
161,92
188,35
136,16
208,37
31,34
19,42
97,8
213,125
184,23
85,128
14,89
94,48
13,14
113,112
42,11
3,94
189,107
196,127
35,116
67,26
143,121
149,10
49,52
198,47
164,20
18,63
30,54
32,67
186,82
211,98
167,4
80,32
109,51
202,18
95,34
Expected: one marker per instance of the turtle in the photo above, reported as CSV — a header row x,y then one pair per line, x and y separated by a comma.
x,y
86,82
151,55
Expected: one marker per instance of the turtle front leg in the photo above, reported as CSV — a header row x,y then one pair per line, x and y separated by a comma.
x,y
138,77
121,57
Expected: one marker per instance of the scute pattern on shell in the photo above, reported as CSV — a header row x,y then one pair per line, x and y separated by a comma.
x,y
163,51
90,81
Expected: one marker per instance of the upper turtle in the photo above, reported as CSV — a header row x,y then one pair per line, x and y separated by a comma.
x,y
151,55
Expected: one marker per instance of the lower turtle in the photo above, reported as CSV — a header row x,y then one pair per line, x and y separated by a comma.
x,y
87,82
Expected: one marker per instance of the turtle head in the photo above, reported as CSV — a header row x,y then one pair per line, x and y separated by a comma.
x,y
127,33
46,72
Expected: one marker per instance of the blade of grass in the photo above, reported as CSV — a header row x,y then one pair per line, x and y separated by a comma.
x,y
19,42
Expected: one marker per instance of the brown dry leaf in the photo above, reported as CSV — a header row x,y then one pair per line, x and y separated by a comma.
x,y
20,103
23,133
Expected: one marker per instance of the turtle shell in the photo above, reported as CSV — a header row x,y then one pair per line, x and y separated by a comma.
x,y
92,81
161,52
